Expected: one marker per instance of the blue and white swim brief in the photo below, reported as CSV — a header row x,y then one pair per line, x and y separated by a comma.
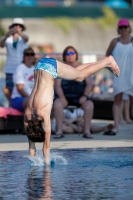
x,y
49,65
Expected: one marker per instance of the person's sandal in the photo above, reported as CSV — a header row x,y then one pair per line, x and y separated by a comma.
x,y
110,132
86,135
58,136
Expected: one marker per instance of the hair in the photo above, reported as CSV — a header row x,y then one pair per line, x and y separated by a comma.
x,y
34,132
29,49
130,31
23,28
66,49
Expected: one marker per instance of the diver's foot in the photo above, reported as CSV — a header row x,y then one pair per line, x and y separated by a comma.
x,y
112,66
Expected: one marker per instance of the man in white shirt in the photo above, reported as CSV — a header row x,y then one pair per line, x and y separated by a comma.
x,y
15,41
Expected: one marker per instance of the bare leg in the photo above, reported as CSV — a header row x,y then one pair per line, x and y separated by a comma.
x,y
59,116
131,104
88,114
70,73
122,121
67,128
127,111
117,111
74,127
97,129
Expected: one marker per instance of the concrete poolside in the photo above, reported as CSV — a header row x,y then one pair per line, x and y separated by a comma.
x,y
11,142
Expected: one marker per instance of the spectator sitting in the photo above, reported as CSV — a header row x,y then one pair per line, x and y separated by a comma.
x,y
15,41
72,93
23,81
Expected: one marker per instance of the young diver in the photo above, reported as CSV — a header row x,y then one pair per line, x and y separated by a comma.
x,y
37,114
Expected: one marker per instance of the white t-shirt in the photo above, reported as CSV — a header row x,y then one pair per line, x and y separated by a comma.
x,y
14,55
78,112
23,75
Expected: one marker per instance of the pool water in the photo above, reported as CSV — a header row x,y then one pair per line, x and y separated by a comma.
x,y
77,174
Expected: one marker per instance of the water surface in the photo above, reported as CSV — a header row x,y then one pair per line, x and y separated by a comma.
x,y
77,174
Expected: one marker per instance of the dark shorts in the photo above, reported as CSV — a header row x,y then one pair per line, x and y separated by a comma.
x,y
9,81
17,103
73,101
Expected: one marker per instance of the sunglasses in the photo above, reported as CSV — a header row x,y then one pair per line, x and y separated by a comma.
x,y
70,53
29,54
121,27
14,25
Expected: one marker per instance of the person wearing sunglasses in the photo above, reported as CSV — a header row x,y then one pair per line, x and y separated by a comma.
x,y
122,50
15,41
72,93
23,81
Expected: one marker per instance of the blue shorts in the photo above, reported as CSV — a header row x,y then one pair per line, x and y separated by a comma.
x,y
49,65
9,81
17,103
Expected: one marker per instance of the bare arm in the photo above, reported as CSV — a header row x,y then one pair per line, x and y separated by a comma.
x,y
111,47
20,88
46,125
24,36
2,42
87,90
88,87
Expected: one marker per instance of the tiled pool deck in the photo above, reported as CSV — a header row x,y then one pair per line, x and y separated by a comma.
x,y
124,138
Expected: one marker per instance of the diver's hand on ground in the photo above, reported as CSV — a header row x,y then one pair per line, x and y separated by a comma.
x,y
46,153
47,162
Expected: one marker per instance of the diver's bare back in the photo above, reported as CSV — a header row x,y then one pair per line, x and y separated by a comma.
x,y
41,99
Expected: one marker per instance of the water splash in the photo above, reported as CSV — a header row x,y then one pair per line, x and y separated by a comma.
x,y
55,158
37,160
58,159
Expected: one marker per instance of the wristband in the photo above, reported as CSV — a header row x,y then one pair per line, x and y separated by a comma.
x,y
85,95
